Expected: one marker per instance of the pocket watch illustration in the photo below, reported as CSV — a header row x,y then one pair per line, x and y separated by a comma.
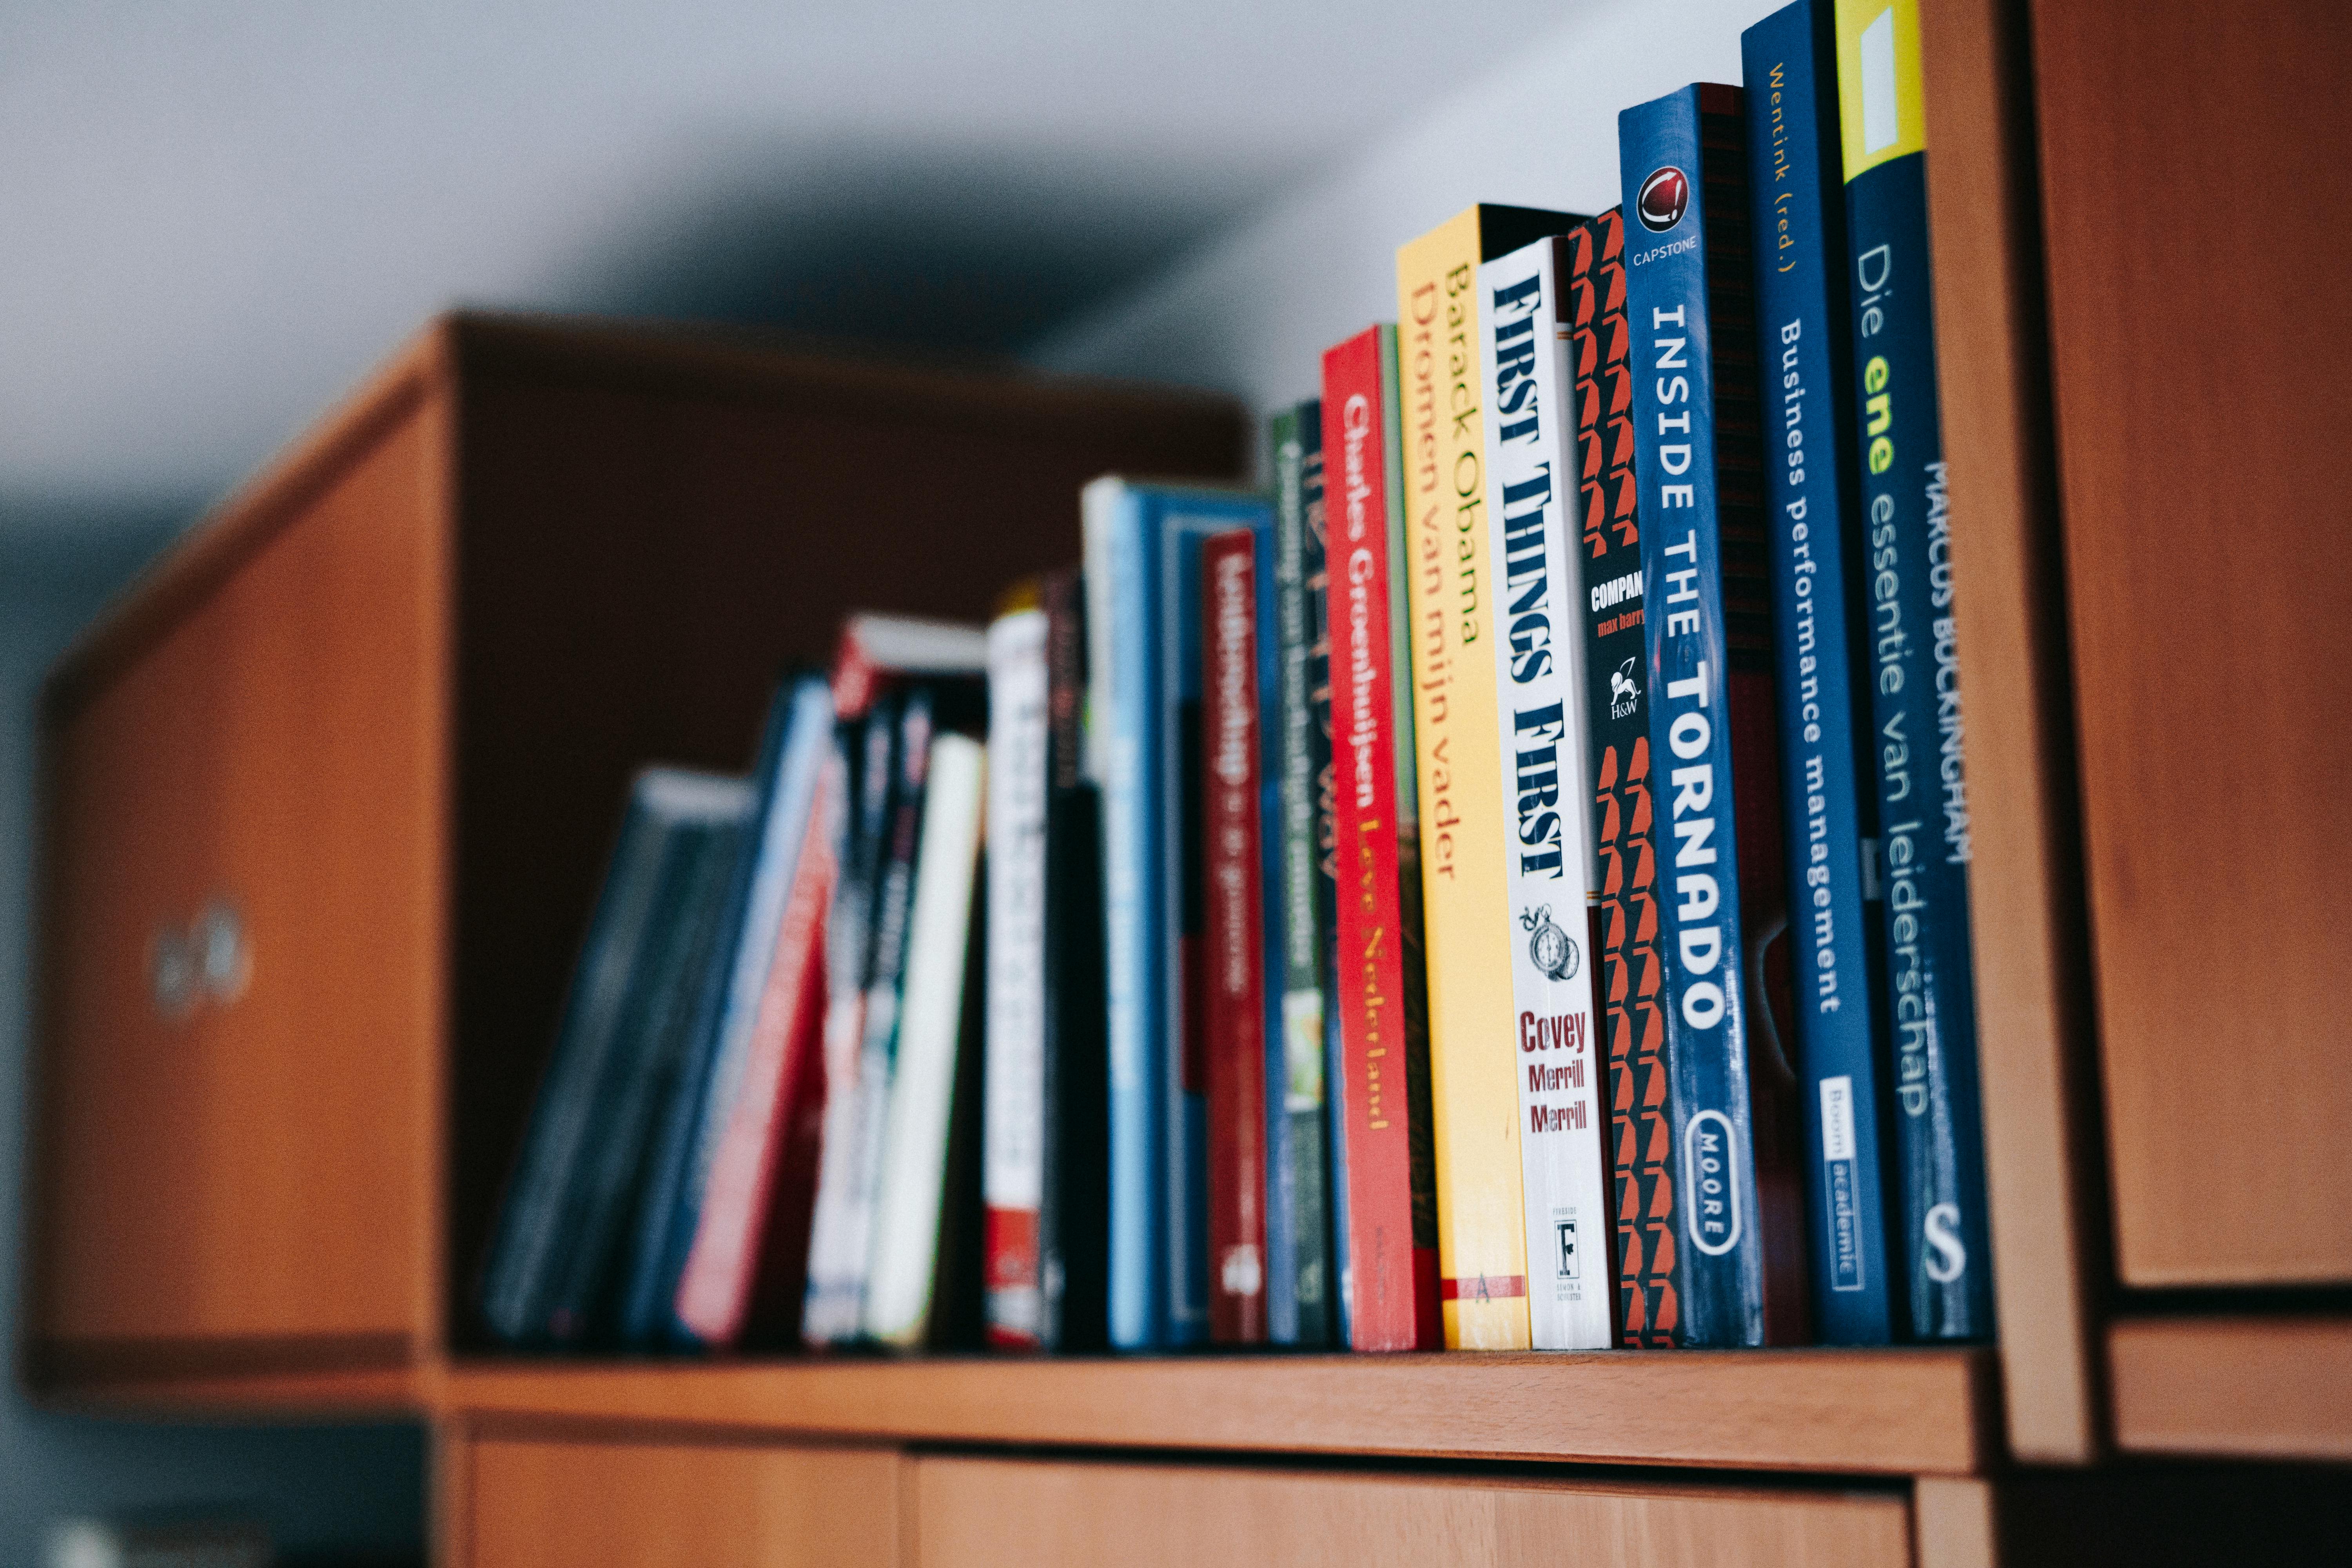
x,y
1549,948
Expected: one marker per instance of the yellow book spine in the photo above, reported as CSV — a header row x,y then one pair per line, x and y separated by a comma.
x,y
1481,1234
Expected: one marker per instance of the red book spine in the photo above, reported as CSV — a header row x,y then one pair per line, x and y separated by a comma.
x,y
1392,1242
763,1173
1234,938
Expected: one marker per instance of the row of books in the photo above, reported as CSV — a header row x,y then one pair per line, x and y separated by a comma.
x,y
1506,887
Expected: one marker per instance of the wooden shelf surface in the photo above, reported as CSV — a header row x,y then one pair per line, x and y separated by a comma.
x,y
2274,1388
1892,1412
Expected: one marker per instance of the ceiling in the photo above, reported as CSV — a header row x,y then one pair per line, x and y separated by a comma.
x,y
219,213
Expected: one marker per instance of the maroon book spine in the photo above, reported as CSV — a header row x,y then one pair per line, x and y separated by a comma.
x,y
1234,938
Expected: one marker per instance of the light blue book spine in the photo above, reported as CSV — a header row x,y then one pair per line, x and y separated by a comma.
x,y
1121,562
1143,574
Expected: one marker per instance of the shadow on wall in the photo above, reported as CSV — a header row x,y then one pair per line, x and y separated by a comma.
x,y
949,249
326,1493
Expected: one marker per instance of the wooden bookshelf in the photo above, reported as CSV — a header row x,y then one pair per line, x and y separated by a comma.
x,y
1900,1412
533,555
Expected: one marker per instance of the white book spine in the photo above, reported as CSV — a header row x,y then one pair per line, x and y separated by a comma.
x,y
830,1308
1012,1177
913,1173
1532,494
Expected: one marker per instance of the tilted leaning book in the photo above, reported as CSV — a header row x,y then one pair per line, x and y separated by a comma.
x,y
1545,756
1915,676
1143,586
1714,771
1629,967
1829,804
919,1236
794,747
841,1239
1385,1200
562,1211
867,756
1474,1092
743,1275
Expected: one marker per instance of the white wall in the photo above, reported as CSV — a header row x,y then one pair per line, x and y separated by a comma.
x,y
1250,313
321,1490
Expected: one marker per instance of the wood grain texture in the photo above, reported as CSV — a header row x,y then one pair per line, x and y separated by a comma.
x,y
2202,413
591,1504
2277,1388
991,1514
246,1171
450,1503
1857,1412
2033,1026
1954,1523
386,699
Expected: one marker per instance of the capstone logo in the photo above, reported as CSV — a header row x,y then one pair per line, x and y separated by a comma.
x,y
1664,196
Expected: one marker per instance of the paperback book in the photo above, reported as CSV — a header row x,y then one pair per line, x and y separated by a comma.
x,y
1544,741
1829,806
1913,667
1386,1215
1705,593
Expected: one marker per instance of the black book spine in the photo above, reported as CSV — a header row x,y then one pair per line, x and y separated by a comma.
x,y
1074,1220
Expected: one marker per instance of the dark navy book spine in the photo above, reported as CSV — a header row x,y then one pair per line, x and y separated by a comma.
x,y
1829,804
1913,677
1714,779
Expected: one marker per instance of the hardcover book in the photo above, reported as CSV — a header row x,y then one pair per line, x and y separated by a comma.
x,y
1914,676
1014,1125
1385,1208
1829,803
1543,739
1299,890
1074,1220
1630,973
1234,952
1143,559
793,751
1706,598
1474,1092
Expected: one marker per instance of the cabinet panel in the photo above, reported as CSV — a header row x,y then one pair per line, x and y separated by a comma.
x,y
564,1504
245,946
983,1513
2197,195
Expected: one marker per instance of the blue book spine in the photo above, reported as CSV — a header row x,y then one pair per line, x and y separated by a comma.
x,y
1185,521
1829,806
799,734
1143,576
1276,579
1711,727
1914,676
1122,561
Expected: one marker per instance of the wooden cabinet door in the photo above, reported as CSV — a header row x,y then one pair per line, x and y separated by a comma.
x,y
239,1158
1004,1513
555,1503
2197,191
